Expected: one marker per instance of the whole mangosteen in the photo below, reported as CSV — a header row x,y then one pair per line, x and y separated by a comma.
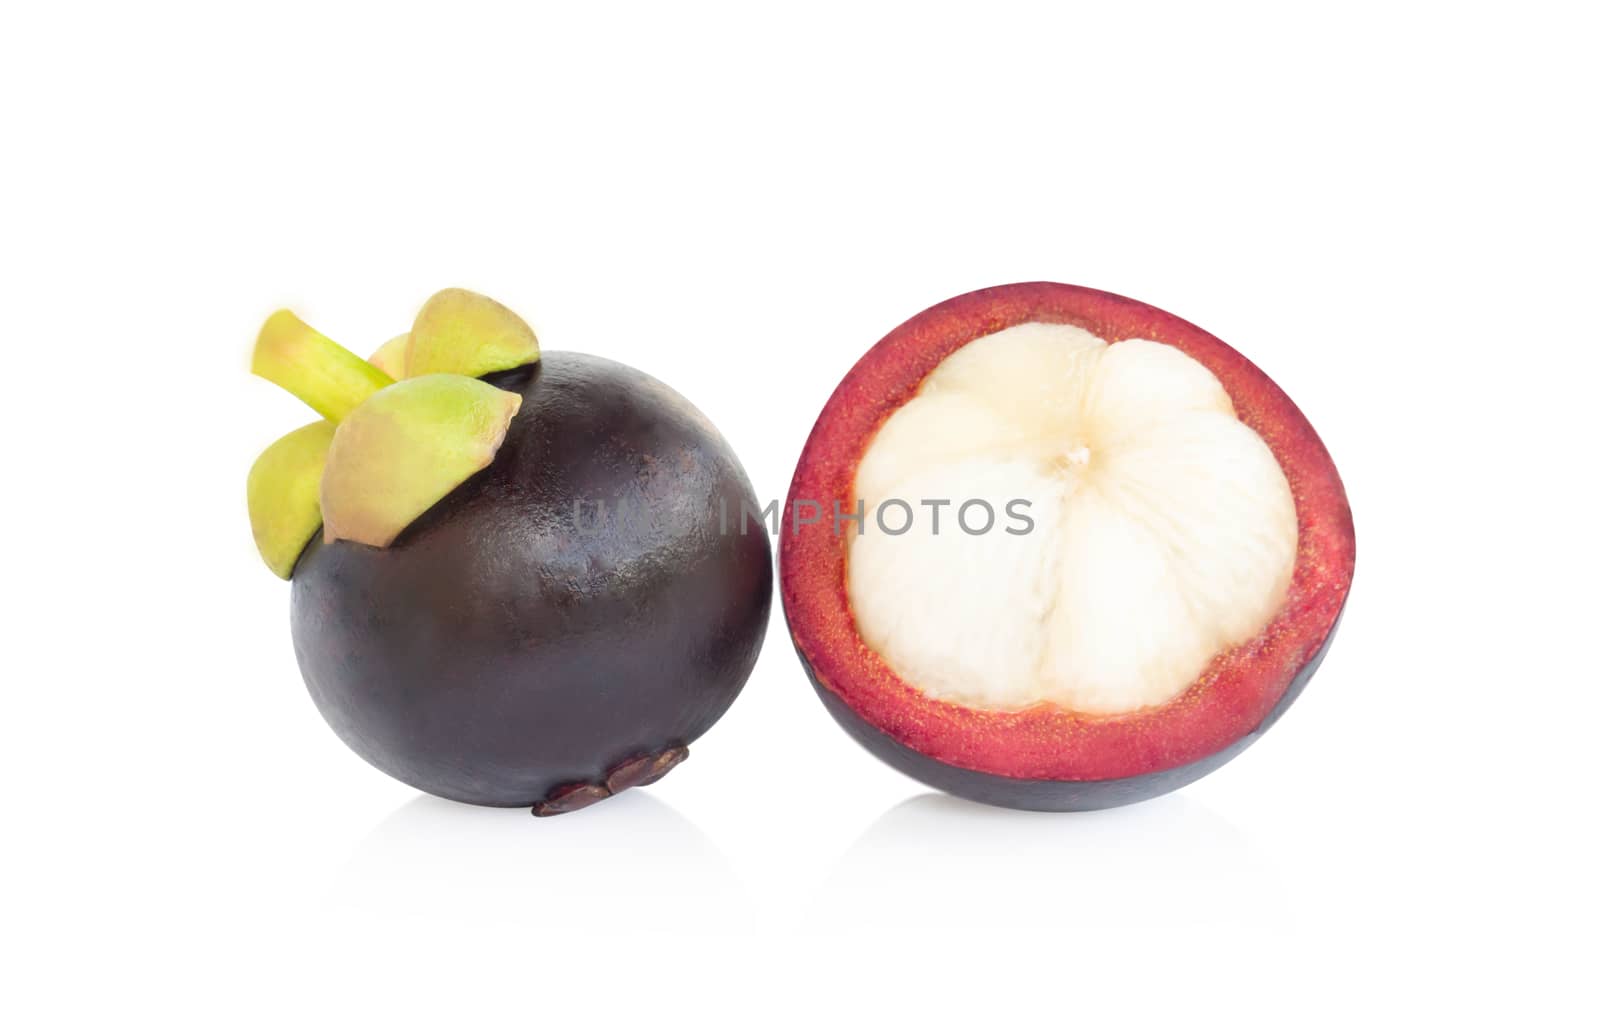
x,y
510,585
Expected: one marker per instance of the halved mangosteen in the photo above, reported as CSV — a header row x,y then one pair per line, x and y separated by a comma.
x,y
509,584
1055,549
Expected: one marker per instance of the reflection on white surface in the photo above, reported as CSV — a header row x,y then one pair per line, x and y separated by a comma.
x,y
936,861
628,864
634,865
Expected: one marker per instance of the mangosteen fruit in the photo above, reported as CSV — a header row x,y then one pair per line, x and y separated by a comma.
x,y
509,582
1051,548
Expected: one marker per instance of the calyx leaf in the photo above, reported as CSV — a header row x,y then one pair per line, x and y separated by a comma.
x,y
391,356
315,369
458,331
385,452
405,448
282,493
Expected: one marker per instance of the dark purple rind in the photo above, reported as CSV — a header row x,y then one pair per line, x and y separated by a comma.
x,y
494,653
1048,794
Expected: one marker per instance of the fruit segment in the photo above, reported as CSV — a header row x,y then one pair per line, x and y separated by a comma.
x,y
1164,531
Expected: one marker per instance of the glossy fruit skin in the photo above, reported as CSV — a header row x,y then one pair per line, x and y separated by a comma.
x,y
509,644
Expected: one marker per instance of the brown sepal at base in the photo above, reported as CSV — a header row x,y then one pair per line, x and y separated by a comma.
x,y
572,797
635,771
645,769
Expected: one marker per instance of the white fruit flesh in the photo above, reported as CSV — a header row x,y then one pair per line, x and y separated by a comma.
x,y
1163,531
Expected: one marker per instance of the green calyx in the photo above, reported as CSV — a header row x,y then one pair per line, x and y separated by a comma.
x,y
391,356
284,493
384,452
405,448
313,367
463,332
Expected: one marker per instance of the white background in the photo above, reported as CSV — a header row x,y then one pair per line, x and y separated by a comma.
x,y
1390,208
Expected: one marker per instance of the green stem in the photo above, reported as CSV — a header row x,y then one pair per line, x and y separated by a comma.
x,y
314,368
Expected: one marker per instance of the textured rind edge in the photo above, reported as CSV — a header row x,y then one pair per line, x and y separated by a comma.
x,y
1239,691
1049,794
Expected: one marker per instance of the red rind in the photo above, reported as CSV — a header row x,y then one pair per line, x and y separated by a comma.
x,y
1235,694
